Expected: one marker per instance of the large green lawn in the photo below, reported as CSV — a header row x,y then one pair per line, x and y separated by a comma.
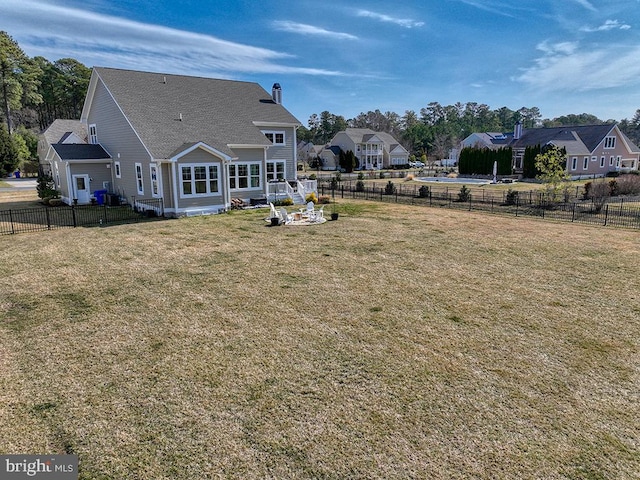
x,y
397,342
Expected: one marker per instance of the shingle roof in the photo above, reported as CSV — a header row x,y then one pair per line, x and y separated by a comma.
x,y
583,136
217,112
80,151
61,129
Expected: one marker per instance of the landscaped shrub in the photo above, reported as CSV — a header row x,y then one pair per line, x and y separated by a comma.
x,y
360,175
511,198
382,175
464,195
285,202
323,199
628,184
423,191
409,177
333,183
390,188
311,198
46,187
359,186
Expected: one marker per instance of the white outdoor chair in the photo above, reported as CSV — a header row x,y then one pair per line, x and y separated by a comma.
x,y
317,215
284,216
273,213
310,208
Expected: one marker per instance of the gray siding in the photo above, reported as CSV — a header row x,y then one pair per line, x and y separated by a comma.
x,y
120,141
285,152
201,156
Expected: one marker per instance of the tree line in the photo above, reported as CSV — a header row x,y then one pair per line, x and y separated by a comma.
x,y
36,91
436,129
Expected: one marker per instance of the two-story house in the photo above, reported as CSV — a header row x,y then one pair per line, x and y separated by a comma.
x,y
374,150
193,142
592,150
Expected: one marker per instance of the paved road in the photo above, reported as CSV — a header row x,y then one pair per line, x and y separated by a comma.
x,y
19,184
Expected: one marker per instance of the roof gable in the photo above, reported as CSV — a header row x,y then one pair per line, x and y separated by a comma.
x,y
169,111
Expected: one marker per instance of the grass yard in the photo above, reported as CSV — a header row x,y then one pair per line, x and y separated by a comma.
x,y
398,342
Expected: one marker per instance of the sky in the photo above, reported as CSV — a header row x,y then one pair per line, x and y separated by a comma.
x,y
562,56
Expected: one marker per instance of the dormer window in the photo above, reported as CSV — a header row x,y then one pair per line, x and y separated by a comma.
x,y
610,142
93,134
275,137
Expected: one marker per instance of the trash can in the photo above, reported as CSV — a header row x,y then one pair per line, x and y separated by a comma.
x,y
100,196
17,174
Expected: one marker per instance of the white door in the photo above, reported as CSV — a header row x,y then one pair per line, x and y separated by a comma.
x,y
81,188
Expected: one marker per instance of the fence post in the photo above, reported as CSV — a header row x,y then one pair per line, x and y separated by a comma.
x,y
573,213
470,200
48,219
430,198
11,221
606,214
104,205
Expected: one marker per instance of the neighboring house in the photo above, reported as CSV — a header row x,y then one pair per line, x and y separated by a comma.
x,y
374,150
492,140
330,157
592,150
193,142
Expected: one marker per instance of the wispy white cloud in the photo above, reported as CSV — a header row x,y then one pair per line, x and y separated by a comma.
x,y
606,26
497,9
586,4
566,67
304,29
97,39
403,22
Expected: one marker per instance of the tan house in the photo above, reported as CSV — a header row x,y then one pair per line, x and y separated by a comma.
x,y
374,150
592,150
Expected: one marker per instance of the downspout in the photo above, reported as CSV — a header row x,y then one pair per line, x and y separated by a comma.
x,y
295,152
175,188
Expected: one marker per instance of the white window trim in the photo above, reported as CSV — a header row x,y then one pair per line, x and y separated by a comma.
x,y
585,163
610,142
594,158
574,163
270,175
158,192
273,134
248,164
611,158
118,169
93,134
602,161
209,193
139,178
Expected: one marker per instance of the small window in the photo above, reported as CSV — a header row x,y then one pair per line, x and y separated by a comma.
x,y
610,142
611,161
275,137
585,163
594,158
93,134
574,163
602,160
116,166
139,183
618,161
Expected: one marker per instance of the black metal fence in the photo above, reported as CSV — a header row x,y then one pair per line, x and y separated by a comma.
x,y
617,212
50,218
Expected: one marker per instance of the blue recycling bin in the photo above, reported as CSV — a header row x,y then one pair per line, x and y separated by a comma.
x,y
100,196
17,174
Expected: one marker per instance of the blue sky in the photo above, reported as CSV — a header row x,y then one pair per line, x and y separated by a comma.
x,y
562,56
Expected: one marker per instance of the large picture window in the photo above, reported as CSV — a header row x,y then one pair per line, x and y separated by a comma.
x,y
200,179
244,176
